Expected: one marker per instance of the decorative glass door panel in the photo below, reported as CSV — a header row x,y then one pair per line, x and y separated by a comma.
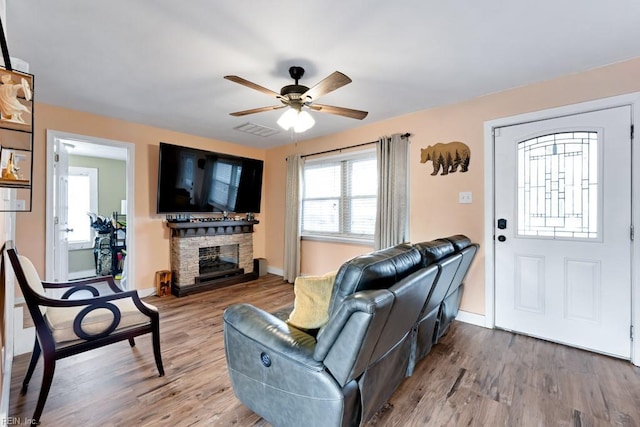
x,y
558,186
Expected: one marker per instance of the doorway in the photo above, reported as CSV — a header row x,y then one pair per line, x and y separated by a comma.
x,y
96,167
582,277
563,209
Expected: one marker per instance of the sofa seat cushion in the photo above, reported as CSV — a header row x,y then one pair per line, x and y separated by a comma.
x,y
61,320
311,304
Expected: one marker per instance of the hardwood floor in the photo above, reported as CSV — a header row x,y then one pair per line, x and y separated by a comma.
x,y
474,376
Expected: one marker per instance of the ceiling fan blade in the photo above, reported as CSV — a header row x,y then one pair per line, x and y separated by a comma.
x,y
340,111
257,110
252,85
331,83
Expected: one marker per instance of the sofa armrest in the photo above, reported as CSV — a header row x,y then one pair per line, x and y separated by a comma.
x,y
273,334
273,373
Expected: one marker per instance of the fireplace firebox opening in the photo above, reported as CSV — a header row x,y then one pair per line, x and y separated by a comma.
x,y
216,260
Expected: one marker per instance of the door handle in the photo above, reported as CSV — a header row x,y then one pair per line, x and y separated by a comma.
x,y
501,238
68,230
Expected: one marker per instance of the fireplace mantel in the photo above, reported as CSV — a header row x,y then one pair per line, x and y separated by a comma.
x,y
189,236
210,228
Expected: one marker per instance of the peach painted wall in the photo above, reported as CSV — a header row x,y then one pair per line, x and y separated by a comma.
x,y
434,208
151,234
312,263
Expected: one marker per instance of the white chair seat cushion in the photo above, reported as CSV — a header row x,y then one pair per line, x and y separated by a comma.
x,y
61,319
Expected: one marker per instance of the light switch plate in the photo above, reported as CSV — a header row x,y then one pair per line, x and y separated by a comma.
x,y
465,197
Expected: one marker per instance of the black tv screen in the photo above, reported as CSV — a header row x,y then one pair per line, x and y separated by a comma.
x,y
191,180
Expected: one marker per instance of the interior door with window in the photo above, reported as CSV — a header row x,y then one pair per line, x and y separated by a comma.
x,y
562,236
61,212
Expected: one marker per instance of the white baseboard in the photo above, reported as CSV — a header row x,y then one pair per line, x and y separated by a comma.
x,y
276,271
146,292
471,318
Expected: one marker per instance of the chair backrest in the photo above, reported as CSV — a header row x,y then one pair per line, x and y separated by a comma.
x,y
375,270
27,277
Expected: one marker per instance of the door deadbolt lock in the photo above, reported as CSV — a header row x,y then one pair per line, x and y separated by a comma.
x,y
502,223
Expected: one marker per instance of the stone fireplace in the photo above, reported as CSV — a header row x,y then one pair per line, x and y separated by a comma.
x,y
210,254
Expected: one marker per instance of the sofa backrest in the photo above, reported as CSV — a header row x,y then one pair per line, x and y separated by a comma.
x,y
459,241
375,270
463,246
389,361
434,250
371,330
345,344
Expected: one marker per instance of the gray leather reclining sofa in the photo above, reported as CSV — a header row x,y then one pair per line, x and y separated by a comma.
x,y
386,311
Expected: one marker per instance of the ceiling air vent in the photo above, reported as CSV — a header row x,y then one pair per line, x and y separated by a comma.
x,y
255,129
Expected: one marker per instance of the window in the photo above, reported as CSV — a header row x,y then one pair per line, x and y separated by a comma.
x,y
339,197
558,186
82,198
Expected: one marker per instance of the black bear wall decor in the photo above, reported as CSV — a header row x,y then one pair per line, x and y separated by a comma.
x,y
448,156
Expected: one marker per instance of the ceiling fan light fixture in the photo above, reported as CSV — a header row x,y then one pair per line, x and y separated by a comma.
x,y
300,121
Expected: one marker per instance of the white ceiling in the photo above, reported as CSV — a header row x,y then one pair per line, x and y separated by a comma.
x,y
162,62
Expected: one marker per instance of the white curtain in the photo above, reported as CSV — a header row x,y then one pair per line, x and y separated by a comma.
x,y
292,218
392,207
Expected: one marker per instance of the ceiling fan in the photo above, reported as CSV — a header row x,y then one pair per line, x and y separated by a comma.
x,y
298,96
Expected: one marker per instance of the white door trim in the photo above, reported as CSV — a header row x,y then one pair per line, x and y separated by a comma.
x,y
130,165
632,99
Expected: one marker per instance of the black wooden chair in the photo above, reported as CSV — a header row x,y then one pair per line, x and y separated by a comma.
x,y
72,324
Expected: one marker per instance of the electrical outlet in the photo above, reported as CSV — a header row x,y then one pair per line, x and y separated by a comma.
x,y
465,197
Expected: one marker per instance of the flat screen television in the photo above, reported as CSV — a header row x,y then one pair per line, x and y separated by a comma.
x,y
191,180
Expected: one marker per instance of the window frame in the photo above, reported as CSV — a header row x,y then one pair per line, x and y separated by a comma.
x,y
344,215
92,173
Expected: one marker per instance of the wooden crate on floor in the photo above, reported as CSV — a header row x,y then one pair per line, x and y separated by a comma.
x,y
163,283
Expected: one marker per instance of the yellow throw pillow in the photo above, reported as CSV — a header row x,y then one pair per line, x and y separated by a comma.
x,y
311,304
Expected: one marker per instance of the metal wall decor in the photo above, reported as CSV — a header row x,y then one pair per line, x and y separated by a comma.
x,y
447,157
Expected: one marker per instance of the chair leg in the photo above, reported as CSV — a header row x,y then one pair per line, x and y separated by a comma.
x,y
47,378
35,354
155,338
132,343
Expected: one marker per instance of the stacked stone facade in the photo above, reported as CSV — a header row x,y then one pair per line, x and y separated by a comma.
x,y
185,253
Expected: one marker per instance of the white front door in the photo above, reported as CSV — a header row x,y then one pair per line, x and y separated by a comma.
x,y
562,231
